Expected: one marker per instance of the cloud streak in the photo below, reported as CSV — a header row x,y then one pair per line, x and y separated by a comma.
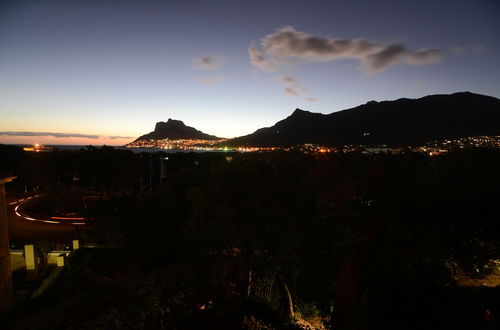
x,y
292,83
114,137
291,92
288,46
62,135
476,49
293,88
479,48
209,62
211,80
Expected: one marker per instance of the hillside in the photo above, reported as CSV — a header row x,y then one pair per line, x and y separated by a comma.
x,y
175,129
400,122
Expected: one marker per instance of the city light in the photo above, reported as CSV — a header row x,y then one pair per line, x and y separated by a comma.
x,y
433,148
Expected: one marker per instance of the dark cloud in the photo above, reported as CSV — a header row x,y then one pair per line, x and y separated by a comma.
x,y
288,46
62,135
399,54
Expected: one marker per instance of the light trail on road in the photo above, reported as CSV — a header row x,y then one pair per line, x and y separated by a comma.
x,y
64,219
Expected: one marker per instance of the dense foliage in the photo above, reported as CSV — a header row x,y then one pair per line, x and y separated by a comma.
x,y
363,242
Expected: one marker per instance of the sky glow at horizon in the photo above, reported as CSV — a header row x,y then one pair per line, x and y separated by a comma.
x,y
227,68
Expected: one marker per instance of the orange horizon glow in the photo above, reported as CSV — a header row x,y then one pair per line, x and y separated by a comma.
x,y
50,140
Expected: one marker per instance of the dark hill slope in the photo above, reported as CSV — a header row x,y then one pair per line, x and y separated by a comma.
x,y
399,122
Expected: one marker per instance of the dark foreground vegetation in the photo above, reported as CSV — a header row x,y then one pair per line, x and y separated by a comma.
x,y
272,240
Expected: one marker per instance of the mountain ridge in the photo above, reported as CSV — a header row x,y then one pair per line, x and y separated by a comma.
x,y
175,130
399,122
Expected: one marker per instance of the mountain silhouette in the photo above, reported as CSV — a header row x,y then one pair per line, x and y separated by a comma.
x,y
175,129
400,122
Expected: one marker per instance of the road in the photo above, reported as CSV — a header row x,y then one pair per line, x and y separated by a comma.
x,y
21,228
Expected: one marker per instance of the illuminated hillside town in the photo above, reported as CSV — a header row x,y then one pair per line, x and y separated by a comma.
x,y
177,144
432,148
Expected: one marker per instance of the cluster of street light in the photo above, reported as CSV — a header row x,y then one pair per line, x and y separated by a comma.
x,y
432,148
177,144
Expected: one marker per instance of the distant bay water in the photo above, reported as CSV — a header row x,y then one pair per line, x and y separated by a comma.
x,y
135,150
66,146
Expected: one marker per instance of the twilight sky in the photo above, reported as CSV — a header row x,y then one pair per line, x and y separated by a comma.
x,y
104,72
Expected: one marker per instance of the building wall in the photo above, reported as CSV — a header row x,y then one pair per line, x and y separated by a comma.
x,y
6,291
